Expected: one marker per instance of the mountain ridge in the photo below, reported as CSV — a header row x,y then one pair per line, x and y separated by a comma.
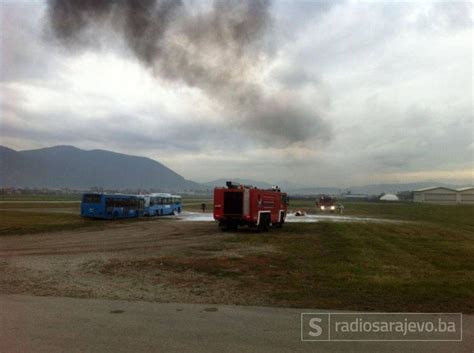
x,y
70,167
66,166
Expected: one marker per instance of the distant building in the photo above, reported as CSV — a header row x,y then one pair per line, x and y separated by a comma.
x,y
389,197
441,194
361,197
466,195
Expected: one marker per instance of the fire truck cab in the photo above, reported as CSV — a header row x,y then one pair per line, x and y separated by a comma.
x,y
241,205
326,203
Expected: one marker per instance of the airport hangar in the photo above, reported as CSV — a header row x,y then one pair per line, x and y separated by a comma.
x,y
441,194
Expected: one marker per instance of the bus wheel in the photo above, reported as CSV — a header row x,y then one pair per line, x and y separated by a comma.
x,y
115,216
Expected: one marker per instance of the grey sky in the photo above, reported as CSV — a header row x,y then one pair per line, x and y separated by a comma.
x,y
328,93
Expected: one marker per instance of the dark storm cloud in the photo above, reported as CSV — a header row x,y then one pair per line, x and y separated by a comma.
x,y
212,50
217,50
141,22
288,123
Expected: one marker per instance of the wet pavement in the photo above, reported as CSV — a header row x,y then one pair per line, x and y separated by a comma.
x,y
291,218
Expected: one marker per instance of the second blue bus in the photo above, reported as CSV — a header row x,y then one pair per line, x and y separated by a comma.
x,y
162,204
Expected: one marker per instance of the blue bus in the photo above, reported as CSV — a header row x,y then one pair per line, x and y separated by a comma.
x,y
162,204
111,206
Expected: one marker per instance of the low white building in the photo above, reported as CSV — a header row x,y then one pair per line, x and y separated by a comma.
x,y
389,197
444,195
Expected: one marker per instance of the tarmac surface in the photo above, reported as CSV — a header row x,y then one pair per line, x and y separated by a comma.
x,y
291,218
58,324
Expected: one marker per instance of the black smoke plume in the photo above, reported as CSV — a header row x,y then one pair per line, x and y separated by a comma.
x,y
219,49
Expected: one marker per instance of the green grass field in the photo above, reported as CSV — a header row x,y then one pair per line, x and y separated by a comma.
x,y
71,197
362,266
421,264
22,222
77,197
26,205
194,204
35,215
424,264
454,215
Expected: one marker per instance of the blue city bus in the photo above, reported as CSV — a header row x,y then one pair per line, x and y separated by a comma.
x,y
161,204
111,206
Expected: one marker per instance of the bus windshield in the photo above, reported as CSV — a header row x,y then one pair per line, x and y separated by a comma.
x,y
91,198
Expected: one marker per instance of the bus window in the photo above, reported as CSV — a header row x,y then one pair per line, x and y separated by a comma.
x,y
91,198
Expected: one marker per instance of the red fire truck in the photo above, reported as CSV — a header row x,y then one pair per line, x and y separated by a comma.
x,y
326,203
239,205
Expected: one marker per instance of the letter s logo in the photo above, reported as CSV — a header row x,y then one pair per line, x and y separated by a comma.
x,y
317,329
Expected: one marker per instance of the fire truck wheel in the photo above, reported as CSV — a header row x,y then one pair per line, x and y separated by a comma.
x,y
264,223
224,226
282,221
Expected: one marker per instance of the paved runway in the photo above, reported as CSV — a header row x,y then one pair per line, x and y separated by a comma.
x,y
55,324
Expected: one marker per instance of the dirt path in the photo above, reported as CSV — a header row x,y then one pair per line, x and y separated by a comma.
x,y
145,237
127,260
